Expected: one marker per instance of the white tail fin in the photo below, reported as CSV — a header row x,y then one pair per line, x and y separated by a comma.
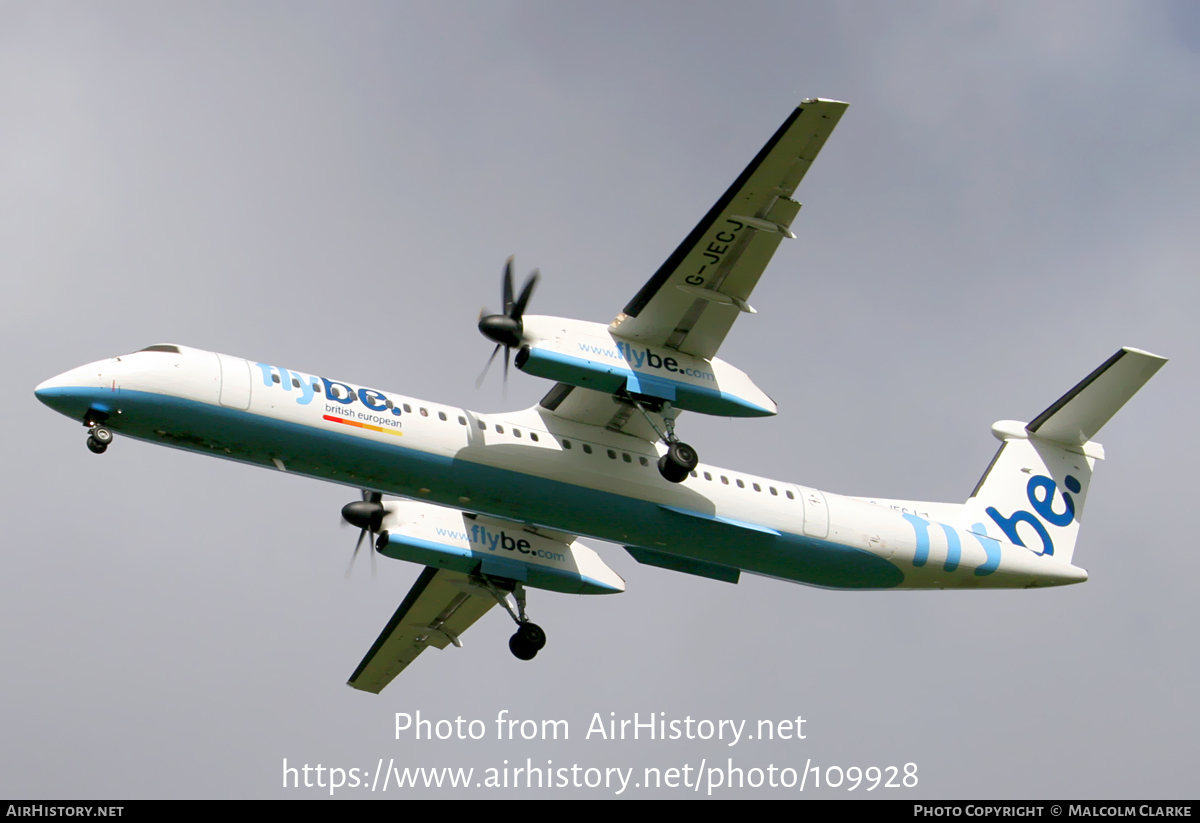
x,y
1034,491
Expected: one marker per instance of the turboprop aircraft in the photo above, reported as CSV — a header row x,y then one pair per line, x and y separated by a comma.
x,y
493,504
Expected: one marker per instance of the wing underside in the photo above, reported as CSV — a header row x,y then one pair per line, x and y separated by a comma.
x,y
692,300
440,606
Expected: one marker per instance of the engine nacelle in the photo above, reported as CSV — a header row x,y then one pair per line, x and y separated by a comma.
x,y
448,539
587,355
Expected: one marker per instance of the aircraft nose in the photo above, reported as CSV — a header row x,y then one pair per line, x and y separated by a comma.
x,y
68,393
45,391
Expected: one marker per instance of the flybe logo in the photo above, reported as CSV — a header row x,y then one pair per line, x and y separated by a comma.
x,y
643,357
492,541
309,387
1040,492
991,546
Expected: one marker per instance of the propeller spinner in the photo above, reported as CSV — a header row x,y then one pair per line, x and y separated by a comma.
x,y
367,514
506,329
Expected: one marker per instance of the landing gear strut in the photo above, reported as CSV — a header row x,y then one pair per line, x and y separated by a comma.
x,y
680,459
529,638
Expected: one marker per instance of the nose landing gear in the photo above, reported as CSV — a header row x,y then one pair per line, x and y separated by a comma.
x,y
99,439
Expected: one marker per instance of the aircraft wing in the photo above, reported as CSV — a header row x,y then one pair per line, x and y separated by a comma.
x,y
692,300
596,408
440,606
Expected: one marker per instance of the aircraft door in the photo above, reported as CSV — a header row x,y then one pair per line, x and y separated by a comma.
x,y
235,382
816,513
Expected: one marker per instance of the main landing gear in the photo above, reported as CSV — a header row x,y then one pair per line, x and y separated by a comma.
x,y
529,638
680,459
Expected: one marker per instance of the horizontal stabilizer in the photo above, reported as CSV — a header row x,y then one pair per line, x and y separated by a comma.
x,y
1080,413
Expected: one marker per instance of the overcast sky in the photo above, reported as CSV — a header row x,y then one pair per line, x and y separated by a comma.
x,y
1009,199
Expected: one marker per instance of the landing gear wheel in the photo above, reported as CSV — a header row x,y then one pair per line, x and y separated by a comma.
x,y
532,635
101,435
679,460
96,446
529,638
521,648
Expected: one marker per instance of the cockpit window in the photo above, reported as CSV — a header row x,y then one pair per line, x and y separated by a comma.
x,y
160,347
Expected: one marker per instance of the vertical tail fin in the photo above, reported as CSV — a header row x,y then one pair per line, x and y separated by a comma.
x,y
1034,491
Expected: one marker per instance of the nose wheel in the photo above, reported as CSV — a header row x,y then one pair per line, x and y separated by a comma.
x,y
99,439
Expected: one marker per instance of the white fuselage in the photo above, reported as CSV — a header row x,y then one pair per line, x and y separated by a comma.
x,y
532,467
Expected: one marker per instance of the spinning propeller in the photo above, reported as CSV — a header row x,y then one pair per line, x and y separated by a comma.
x,y
367,514
506,329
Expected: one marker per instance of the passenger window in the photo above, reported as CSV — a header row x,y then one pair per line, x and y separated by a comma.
x,y
441,415
424,412
629,459
499,430
275,378
516,432
694,473
587,449
482,426
707,476
533,436
566,443
317,387
462,421
725,480
741,485
296,382
757,487
612,454
643,461
774,492
790,495
407,409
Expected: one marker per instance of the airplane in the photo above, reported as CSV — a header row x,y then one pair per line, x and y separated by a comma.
x,y
494,504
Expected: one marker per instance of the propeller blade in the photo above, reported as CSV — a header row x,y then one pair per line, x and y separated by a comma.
x,y
504,390
483,374
518,308
506,330
354,556
368,516
508,287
